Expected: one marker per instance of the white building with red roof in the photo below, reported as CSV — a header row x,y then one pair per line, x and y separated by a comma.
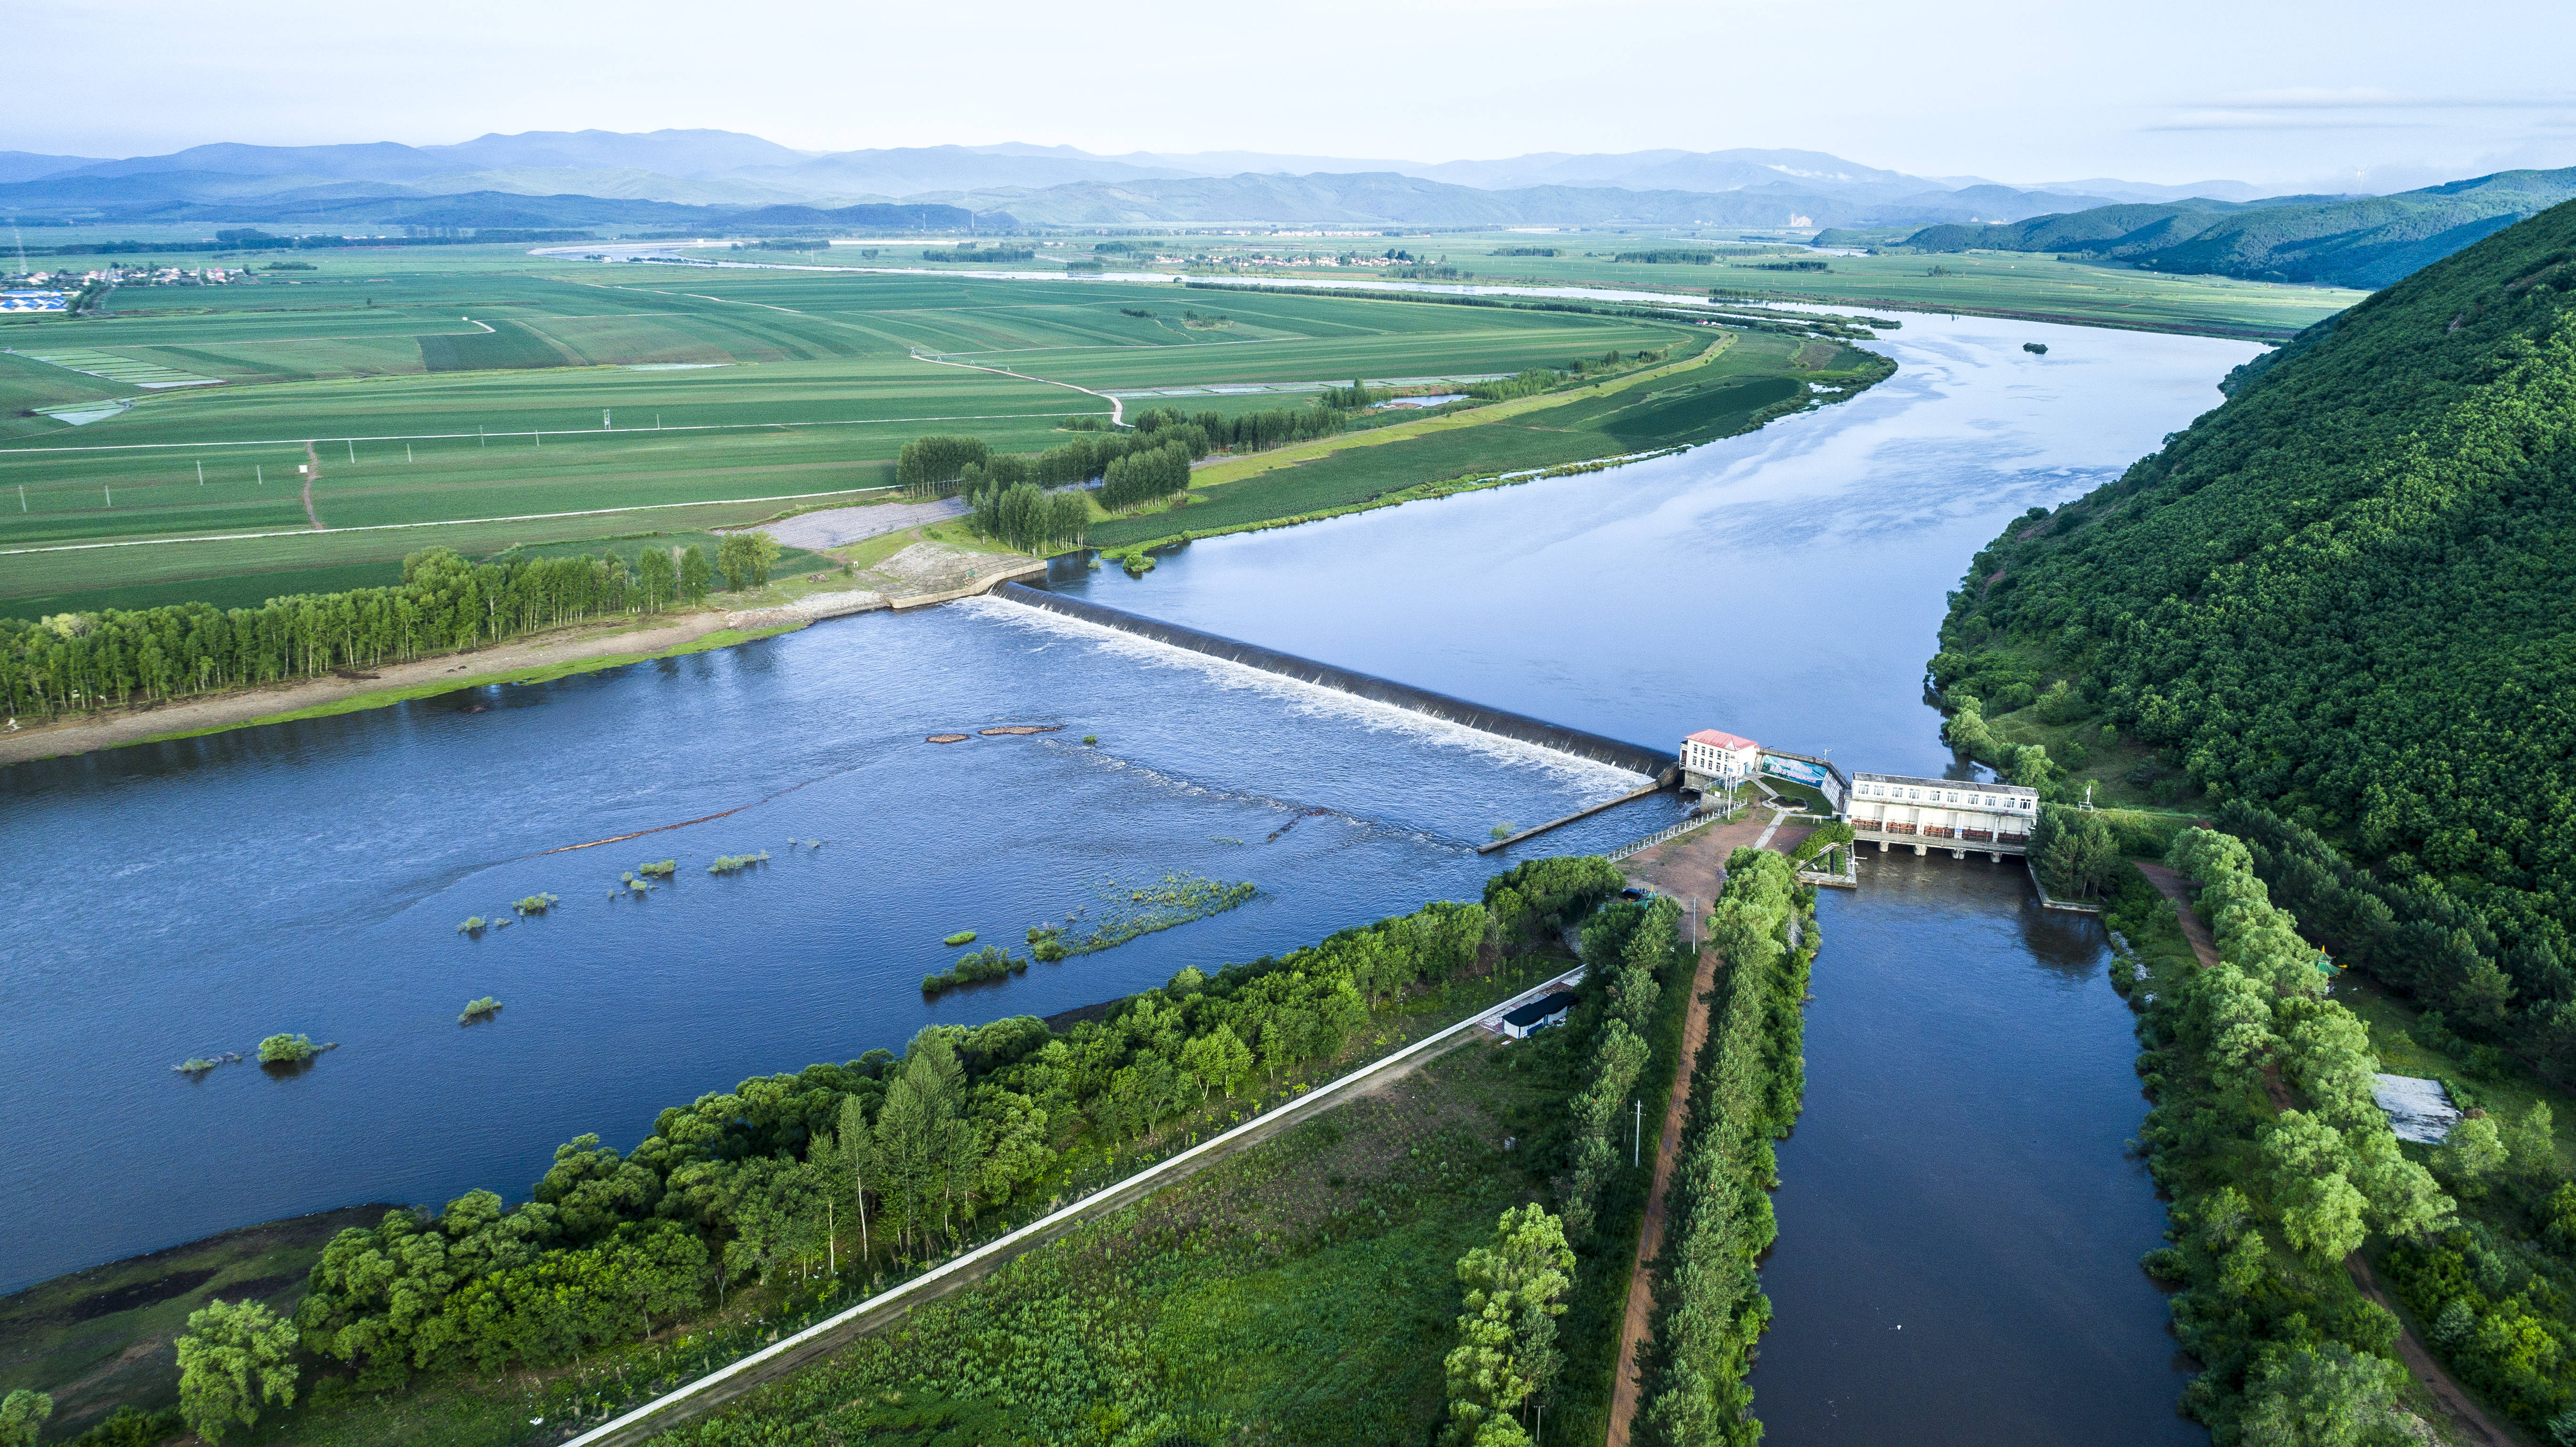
x,y
1716,759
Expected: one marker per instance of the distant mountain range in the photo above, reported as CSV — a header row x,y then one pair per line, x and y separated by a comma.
x,y
386,183
700,167
723,181
2363,241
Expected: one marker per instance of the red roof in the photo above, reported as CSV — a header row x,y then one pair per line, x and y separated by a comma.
x,y
1719,739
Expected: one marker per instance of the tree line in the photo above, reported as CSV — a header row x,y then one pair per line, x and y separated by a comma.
x,y
1630,950
2266,1135
71,662
852,1167
1745,1092
2336,597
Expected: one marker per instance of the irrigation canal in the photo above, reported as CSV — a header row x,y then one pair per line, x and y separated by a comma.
x,y
1958,1173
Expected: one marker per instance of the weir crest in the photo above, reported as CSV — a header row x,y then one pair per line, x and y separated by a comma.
x,y
1504,723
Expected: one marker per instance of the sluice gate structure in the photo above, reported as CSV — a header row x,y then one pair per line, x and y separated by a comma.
x,y
1656,764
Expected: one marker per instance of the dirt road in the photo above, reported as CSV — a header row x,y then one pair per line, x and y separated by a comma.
x,y
312,471
1639,1319
2470,1422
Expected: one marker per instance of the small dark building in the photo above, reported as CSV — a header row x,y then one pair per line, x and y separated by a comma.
x,y
1538,1014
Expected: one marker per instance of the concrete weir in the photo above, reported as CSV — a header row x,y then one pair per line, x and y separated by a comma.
x,y
1653,763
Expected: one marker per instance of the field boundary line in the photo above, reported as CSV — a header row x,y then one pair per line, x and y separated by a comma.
x,y
1267,1121
576,431
1239,469
1117,408
528,517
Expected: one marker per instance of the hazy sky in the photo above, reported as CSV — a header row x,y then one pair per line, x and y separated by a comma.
x,y
2359,91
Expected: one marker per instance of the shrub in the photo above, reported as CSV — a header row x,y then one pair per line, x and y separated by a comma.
x,y
286,1049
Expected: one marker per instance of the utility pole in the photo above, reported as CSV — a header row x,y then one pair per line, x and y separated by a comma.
x,y
406,452
1637,1138
201,474
603,419
258,475
353,452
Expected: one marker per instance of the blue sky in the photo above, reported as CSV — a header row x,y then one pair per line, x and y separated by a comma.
x,y
2358,94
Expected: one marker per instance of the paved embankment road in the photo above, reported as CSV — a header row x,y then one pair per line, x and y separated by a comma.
x,y
828,1335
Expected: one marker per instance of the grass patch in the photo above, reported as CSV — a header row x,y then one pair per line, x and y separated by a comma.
x,y
1302,1292
100,1338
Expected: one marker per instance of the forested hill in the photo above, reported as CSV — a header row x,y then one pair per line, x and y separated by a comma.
x,y
2345,596
2364,241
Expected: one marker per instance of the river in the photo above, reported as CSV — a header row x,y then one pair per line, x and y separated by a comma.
x,y
1968,1069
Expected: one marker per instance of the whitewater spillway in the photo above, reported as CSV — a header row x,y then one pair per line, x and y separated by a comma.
x,y
1654,763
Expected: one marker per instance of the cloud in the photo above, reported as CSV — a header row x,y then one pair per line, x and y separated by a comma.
x,y
2359,98
2262,121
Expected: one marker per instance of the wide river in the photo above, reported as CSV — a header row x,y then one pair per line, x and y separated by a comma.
x,y
1959,1225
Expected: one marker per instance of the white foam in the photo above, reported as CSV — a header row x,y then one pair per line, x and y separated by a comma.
x,y
1315,700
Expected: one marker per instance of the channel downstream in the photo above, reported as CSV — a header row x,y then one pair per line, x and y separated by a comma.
x,y
1958,1174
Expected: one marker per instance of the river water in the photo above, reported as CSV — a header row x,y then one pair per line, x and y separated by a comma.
x,y
1969,1081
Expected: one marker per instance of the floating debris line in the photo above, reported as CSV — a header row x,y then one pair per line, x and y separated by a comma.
x,y
666,828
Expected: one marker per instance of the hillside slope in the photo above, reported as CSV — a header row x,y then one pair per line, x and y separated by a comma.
x,y
2344,596
2365,241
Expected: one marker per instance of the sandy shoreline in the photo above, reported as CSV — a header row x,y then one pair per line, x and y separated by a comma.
x,y
442,673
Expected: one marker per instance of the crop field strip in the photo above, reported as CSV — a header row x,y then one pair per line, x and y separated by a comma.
x,y
516,453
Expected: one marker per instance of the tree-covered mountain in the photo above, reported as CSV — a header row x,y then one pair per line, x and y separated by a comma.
x,y
2364,241
2342,599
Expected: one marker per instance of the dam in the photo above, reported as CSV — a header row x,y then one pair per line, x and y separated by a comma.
x,y
1657,764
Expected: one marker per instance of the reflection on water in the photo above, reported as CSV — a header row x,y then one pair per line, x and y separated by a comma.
x,y
1786,585
1958,1174
189,898
1959,1224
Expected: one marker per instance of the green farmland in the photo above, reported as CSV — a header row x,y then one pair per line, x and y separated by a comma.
x,y
2034,286
490,399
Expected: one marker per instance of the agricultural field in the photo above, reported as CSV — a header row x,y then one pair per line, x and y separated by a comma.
x,y
1753,375
376,404
2034,286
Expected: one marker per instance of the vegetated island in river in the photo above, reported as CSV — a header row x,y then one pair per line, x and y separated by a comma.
x,y
846,1178
2335,608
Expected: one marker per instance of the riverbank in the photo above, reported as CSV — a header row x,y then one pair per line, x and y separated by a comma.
x,y
906,568
1739,383
1379,1079
575,650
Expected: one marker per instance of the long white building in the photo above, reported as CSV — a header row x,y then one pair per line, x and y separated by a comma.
x,y
1954,814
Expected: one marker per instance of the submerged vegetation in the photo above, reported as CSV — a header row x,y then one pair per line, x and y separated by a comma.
x,y
287,1050
737,863
482,1009
992,962
862,1167
1130,911
537,904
